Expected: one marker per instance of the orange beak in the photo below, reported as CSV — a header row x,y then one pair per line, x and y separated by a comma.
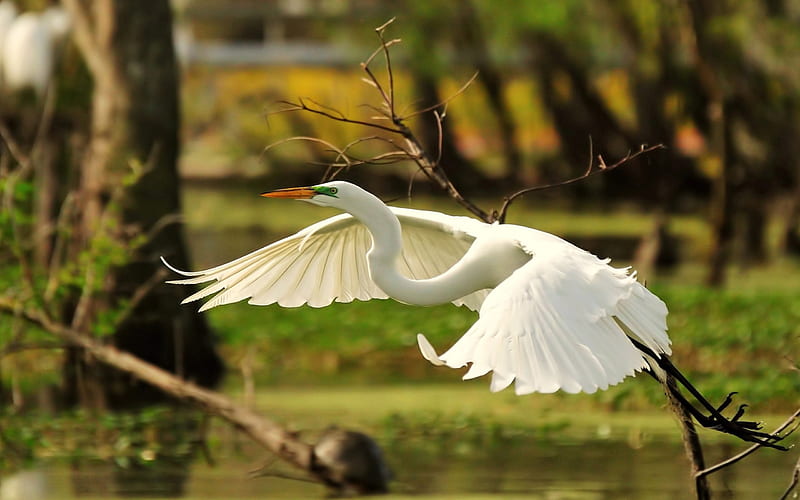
x,y
297,193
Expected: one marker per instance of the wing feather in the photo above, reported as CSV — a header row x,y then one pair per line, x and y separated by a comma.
x,y
327,262
561,321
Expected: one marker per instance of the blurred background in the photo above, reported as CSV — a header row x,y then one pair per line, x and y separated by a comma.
x,y
131,132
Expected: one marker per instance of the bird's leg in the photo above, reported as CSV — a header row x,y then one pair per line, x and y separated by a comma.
x,y
745,430
715,412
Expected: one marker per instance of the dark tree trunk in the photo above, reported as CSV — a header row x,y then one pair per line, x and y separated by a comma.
x,y
474,42
135,119
580,115
791,232
755,220
461,171
719,118
722,204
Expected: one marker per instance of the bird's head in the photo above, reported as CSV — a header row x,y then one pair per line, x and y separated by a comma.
x,y
330,194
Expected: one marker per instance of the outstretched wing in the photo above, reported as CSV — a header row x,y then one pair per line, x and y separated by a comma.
x,y
327,261
560,322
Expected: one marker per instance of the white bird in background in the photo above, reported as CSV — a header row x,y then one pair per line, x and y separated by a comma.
x,y
8,12
29,48
552,316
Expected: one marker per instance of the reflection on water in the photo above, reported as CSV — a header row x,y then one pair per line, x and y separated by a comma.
x,y
593,469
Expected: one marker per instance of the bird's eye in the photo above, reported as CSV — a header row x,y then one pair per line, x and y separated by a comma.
x,y
333,190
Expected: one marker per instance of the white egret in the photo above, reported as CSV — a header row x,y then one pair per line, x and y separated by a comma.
x,y
552,316
8,12
29,51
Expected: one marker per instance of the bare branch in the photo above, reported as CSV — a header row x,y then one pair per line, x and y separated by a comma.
x,y
302,138
141,292
262,430
439,135
389,71
601,167
385,25
15,347
382,114
59,247
438,105
13,147
730,461
413,150
302,106
793,482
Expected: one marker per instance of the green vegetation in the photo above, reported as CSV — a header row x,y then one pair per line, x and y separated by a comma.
x,y
152,435
724,340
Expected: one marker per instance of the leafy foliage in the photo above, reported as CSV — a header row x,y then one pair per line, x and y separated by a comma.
x,y
145,438
50,266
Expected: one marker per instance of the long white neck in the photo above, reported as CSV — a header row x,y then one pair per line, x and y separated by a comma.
x,y
387,243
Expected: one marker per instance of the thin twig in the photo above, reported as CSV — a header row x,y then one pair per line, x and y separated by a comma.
x,y
142,291
60,231
413,150
447,100
601,167
389,71
13,146
732,460
15,347
440,136
793,482
301,138
349,161
381,114
430,168
46,118
302,106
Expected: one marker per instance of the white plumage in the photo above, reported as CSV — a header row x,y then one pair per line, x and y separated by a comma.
x,y
552,316
8,12
28,49
327,262
27,53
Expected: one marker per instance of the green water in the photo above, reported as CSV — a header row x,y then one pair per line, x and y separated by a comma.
x,y
592,469
442,441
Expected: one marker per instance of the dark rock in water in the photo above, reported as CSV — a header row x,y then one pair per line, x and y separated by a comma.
x,y
352,462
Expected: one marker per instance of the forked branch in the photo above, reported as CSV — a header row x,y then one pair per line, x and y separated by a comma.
x,y
600,167
793,421
411,149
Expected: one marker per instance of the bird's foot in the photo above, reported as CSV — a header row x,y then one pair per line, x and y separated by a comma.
x,y
747,424
746,430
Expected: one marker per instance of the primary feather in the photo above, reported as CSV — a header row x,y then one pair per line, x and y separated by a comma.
x,y
327,262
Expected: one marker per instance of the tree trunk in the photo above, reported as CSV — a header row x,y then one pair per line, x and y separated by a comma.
x,y
722,199
756,220
474,42
135,120
461,171
719,117
791,231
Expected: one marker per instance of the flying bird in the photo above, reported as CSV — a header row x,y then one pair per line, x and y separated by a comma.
x,y
551,315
